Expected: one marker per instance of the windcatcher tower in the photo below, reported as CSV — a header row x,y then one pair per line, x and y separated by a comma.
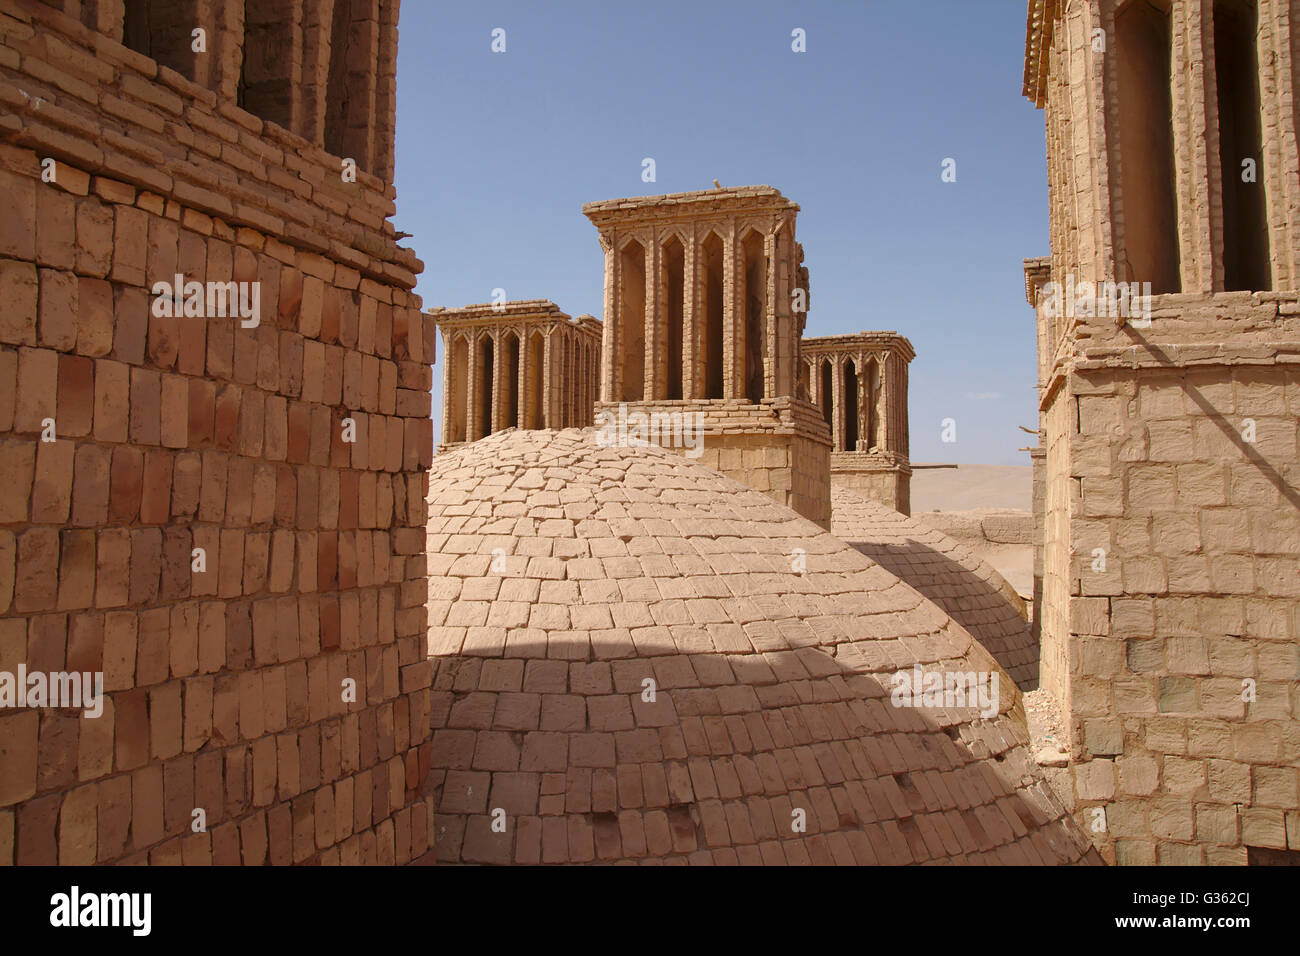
x,y
1169,515
224,519
860,384
705,302
519,364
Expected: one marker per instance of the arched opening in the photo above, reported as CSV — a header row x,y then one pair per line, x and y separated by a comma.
x,y
161,30
483,375
1246,265
350,82
458,369
266,82
510,379
755,312
533,411
871,407
589,373
1149,251
827,392
631,332
672,286
579,380
850,406
712,301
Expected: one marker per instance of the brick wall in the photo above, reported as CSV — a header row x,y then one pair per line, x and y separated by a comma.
x,y
884,478
225,686
1183,683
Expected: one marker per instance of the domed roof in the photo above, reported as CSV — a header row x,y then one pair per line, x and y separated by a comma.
x,y
638,659
947,572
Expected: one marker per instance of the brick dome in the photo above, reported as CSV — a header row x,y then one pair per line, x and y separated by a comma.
x,y
947,572
565,577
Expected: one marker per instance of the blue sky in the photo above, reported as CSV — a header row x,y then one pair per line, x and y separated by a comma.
x,y
497,152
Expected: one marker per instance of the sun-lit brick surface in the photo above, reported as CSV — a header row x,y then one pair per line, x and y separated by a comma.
x,y
565,575
184,436
947,572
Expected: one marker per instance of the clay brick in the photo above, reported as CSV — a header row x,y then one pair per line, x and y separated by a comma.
x,y
17,215
18,750
174,427
38,378
17,469
77,570
130,245
155,495
57,323
147,802
126,484
146,415
56,227
130,324
36,581
112,395
8,396
146,564
94,227
112,574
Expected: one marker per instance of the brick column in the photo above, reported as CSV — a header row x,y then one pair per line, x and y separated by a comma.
x,y
548,383
690,298
732,387
774,381
883,407
655,368
610,379
1280,175
1196,147
498,406
837,403
448,385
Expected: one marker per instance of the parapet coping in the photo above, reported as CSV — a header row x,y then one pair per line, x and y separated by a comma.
x,y
737,195
835,343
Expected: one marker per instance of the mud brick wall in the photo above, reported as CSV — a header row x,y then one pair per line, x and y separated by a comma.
x,y
224,687
886,478
1179,462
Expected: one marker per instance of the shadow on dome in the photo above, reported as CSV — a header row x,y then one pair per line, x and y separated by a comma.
x,y
554,754
945,571
564,576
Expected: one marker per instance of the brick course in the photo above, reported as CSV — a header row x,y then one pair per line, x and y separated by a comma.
x,y
223,685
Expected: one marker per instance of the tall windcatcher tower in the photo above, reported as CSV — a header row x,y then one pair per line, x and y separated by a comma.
x,y
1169,514
705,302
